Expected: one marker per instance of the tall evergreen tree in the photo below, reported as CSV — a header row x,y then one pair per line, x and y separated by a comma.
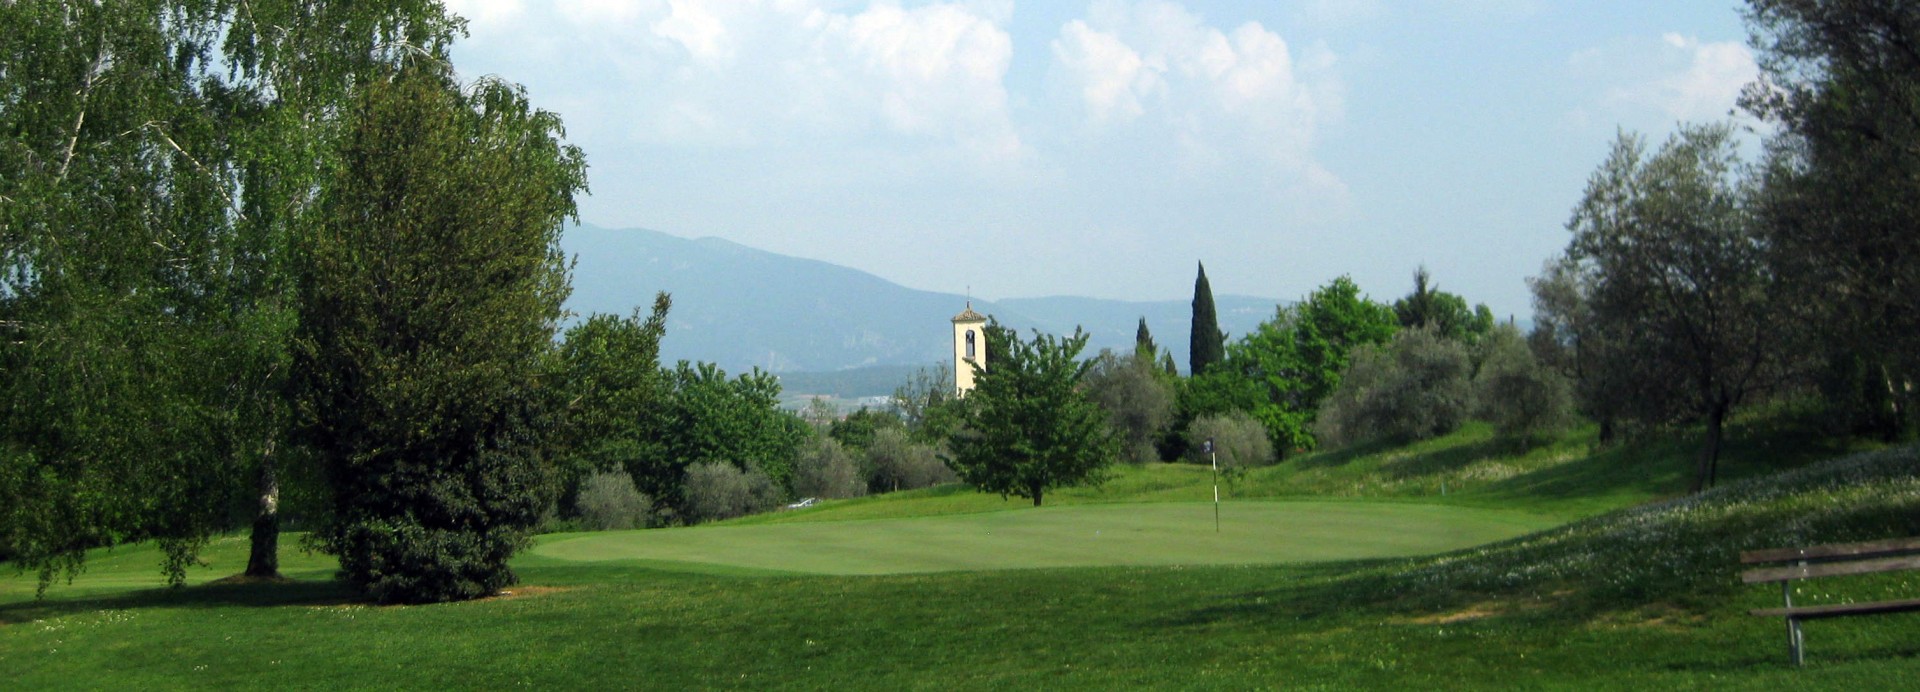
x,y
1143,345
430,290
1207,344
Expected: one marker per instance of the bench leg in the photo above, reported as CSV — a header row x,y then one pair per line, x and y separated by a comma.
x,y
1794,642
1793,623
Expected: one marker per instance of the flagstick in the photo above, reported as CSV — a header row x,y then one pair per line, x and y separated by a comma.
x,y
1216,488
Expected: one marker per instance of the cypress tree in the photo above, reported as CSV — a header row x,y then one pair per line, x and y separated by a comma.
x,y
1208,345
1143,346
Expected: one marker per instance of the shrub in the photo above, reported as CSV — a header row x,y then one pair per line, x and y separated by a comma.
x,y
1519,395
1414,387
896,462
718,490
825,469
1239,440
609,502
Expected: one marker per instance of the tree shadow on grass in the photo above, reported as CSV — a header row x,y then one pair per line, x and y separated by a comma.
x,y
1454,458
221,594
1300,592
1344,455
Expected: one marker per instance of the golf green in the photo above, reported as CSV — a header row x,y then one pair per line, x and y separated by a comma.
x,y
1173,533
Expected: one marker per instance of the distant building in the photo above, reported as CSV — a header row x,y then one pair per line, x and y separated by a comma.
x,y
969,348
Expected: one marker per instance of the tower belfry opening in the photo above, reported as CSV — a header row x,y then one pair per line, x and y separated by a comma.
x,y
969,348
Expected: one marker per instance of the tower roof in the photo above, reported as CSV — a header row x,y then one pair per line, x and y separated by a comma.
x,y
968,315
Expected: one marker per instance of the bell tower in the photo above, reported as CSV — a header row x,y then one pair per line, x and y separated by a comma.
x,y
969,348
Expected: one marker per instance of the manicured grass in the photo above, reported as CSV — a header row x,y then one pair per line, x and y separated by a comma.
x,y
1645,597
1165,533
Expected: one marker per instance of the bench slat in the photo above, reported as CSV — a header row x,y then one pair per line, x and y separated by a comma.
x,y
1818,552
1840,610
1885,564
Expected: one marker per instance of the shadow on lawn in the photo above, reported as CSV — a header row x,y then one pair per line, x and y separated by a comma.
x,y
1449,459
212,595
1344,455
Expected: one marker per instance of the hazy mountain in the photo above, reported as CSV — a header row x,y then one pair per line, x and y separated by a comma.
x,y
742,308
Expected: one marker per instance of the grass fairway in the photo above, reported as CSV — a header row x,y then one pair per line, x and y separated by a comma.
x,y
1639,598
1166,533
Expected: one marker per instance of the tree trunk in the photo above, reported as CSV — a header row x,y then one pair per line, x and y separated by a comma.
x,y
264,561
1709,465
1037,489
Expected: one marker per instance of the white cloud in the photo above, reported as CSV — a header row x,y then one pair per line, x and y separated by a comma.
x,y
936,70
695,26
1219,91
485,15
1674,78
1113,77
1709,85
745,73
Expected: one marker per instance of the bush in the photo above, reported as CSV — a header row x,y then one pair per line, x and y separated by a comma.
x,y
609,502
896,462
718,490
1239,440
1414,387
1519,395
825,469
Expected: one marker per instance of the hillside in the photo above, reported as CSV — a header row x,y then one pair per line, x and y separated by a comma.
x,y
742,308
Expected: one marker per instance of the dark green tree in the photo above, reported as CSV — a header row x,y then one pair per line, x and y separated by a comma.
x,y
607,370
1841,80
856,431
429,290
158,155
1428,307
1283,370
1207,345
708,417
1030,428
1143,345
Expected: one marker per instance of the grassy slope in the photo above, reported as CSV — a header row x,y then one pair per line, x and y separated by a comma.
x,y
1635,599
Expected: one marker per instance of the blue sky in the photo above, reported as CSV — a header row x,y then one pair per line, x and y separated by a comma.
x,y
1100,148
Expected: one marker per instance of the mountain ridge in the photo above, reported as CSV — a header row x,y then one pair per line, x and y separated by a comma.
x,y
743,307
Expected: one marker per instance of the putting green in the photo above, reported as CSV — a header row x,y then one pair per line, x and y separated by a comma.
x,y
1173,533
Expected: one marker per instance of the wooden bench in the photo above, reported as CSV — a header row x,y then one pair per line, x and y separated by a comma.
x,y
1828,561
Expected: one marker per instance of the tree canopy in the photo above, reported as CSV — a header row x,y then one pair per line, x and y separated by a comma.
x,y
1029,427
429,291
1676,281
